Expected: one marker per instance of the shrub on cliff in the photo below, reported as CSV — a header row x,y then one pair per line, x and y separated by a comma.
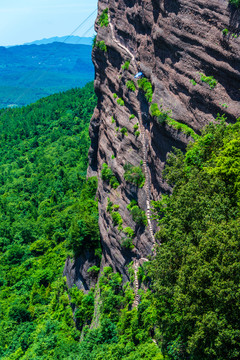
x,y
94,41
125,66
124,131
117,219
134,175
113,211
135,127
130,85
108,176
146,86
120,102
128,241
101,45
163,116
209,80
154,110
235,2
103,18
137,213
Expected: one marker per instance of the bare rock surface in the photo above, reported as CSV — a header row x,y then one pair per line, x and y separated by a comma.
x,y
172,42
76,271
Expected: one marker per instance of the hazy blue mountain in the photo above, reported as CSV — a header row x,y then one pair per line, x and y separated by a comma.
x,y
29,72
66,39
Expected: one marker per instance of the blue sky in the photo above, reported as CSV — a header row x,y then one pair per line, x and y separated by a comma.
x,y
28,20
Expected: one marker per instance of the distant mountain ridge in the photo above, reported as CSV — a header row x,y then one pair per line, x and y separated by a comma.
x,y
66,39
29,72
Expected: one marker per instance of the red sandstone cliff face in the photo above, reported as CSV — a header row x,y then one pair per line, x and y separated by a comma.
x,y
171,42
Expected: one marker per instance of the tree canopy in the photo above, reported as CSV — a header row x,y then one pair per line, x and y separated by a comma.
x,y
47,212
197,271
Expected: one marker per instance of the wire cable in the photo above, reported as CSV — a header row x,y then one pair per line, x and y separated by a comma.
x,y
62,42
88,30
80,25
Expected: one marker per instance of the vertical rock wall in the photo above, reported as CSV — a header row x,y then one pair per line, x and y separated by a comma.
x,y
171,42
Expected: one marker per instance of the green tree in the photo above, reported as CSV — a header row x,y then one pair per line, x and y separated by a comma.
x,y
196,272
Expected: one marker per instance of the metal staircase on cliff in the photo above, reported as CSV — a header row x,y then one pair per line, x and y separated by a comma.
x,y
136,283
145,168
143,139
147,177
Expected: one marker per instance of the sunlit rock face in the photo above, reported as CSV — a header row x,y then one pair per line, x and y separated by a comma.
x,y
172,43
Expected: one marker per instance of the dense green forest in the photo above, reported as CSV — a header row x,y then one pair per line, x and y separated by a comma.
x,y
197,271
45,204
189,307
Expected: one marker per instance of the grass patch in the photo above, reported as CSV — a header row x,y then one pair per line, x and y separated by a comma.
x,y
163,117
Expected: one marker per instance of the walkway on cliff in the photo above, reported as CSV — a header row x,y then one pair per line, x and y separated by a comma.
x,y
145,167
136,283
143,140
122,46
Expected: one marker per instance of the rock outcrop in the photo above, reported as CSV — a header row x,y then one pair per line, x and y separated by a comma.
x,y
172,43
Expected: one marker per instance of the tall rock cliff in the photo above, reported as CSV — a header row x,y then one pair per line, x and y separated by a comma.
x,y
188,52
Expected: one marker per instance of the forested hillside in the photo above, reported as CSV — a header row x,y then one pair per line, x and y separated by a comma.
x,y
46,206
30,72
189,297
189,294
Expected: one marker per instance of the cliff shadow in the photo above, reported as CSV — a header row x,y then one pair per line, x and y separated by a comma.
x,y
162,143
234,21
172,6
164,50
76,270
165,7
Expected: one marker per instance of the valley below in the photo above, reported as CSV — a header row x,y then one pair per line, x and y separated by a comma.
x,y
30,72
